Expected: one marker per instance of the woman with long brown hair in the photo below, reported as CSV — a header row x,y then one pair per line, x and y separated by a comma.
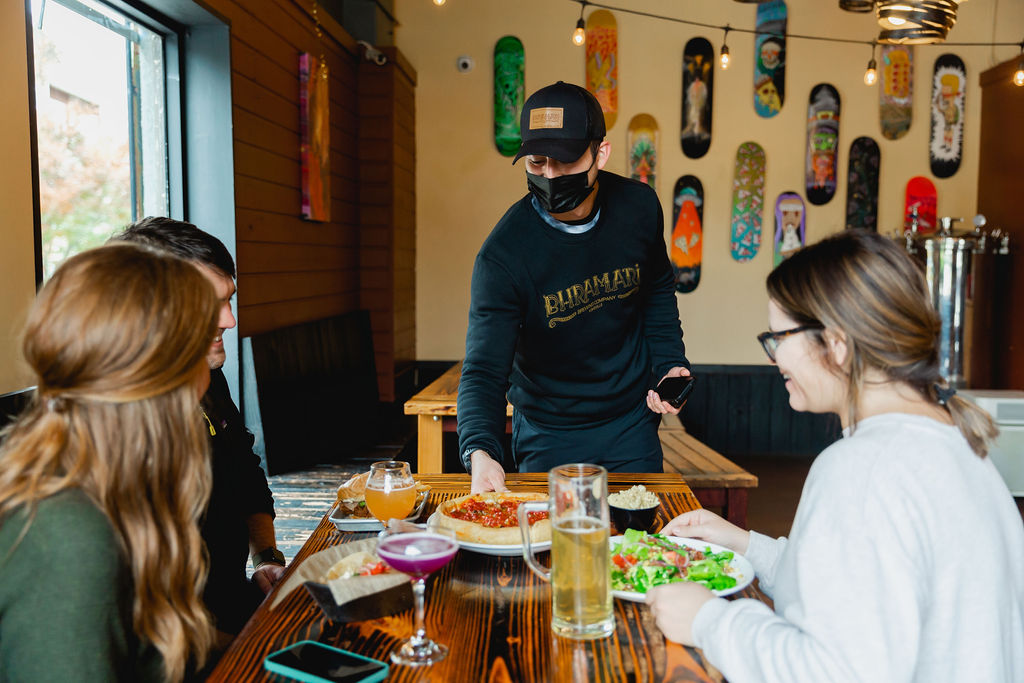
x,y
105,475
905,561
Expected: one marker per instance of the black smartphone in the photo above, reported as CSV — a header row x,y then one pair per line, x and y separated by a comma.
x,y
313,662
674,390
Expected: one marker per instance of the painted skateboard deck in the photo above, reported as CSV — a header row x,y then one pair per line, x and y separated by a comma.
x,y
687,235
822,143
862,185
896,96
508,94
920,202
948,88
642,143
698,82
747,201
790,230
602,66
770,58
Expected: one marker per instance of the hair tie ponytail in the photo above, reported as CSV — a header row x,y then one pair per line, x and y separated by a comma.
x,y
56,404
944,394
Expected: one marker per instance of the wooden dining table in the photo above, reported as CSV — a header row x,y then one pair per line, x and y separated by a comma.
x,y
492,612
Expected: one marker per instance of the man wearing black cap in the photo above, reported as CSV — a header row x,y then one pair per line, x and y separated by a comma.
x,y
573,310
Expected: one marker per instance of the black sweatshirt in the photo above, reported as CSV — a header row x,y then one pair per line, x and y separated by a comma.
x,y
575,328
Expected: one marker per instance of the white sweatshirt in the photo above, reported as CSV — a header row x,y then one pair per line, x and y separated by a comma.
x,y
905,563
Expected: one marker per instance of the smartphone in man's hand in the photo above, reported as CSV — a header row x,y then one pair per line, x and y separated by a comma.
x,y
675,390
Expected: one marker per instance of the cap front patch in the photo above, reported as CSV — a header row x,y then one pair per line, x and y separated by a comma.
x,y
546,117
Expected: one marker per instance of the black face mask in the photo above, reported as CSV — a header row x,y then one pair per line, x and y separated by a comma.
x,y
563,193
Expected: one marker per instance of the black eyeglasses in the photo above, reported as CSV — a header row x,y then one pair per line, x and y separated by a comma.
x,y
770,340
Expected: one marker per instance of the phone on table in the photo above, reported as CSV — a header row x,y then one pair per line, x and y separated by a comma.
x,y
674,390
313,662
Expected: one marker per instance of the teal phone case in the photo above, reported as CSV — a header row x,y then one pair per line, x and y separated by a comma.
x,y
296,674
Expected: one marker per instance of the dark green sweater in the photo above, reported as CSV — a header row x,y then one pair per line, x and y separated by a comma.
x,y
575,328
66,598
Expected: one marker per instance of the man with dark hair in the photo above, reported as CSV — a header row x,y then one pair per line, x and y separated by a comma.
x,y
573,311
240,517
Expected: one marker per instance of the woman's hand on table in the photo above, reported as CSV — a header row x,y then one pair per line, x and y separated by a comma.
x,y
707,526
488,474
654,401
267,575
674,606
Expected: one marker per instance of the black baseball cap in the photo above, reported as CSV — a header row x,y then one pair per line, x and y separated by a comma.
x,y
560,121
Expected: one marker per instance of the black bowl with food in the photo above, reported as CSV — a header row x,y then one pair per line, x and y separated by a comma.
x,y
636,508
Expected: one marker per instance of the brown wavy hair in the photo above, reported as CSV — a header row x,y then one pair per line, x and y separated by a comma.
x,y
116,339
867,286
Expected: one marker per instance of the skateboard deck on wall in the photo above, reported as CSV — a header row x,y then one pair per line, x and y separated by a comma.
x,y
602,65
698,81
747,201
508,94
822,143
896,96
862,185
687,244
642,144
790,231
947,106
770,58
920,202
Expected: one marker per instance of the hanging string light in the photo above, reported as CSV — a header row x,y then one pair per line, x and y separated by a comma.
x,y
723,57
579,36
871,75
1018,75
439,2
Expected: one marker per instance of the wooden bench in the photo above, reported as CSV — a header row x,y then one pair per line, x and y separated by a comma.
x,y
715,480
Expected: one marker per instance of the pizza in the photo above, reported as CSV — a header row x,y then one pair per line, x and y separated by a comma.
x,y
492,518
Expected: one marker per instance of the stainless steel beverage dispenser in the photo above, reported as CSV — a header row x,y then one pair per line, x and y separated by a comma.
x,y
959,266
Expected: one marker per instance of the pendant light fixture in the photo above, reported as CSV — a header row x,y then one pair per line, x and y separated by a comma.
x,y
723,57
579,36
871,74
915,22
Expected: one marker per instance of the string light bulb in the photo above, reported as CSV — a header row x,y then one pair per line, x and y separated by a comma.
x,y
723,57
579,36
1018,75
871,75
439,2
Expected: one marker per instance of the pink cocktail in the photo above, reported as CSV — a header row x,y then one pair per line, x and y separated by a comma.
x,y
417,553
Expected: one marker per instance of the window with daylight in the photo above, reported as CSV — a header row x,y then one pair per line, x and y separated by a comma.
x,y
101,101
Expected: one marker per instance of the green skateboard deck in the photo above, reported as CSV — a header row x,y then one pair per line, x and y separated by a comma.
x,y
770,58
508,94
862,185
920,205
687,244
822,143
602,65
642,143
896,96
790,233
747,201
698,79
947,136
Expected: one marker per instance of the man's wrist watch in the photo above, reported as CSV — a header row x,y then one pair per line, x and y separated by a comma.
x,y
271,554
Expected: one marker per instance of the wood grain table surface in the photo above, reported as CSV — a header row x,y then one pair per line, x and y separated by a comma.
x,y
492,612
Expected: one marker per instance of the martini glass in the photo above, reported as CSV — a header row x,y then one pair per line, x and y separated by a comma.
x,y
417,552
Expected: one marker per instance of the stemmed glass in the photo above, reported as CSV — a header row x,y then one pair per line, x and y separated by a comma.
x,y
417,552
390,490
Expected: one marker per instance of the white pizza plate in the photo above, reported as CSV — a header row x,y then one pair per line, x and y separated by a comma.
x,y
498,550
346,523
742,570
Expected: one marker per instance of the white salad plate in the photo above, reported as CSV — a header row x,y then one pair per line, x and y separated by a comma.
x,y
497,550
739,566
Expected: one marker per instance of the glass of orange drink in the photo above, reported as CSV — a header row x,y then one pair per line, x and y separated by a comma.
x,y
390,490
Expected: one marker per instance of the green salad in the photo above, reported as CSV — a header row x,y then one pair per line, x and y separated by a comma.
x,y
642,560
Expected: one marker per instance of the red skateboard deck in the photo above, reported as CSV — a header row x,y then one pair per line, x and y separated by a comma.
x,y
747,201
698,82
896,96
770,58
790,232
862,185
687,245
822,143
920,205
602,63
947,112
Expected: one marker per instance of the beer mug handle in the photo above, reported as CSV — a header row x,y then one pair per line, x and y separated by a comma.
x,y
524,530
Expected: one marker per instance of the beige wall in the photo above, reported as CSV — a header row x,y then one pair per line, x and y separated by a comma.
x,y
464,185
17,256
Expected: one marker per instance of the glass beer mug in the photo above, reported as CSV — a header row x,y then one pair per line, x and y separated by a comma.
x,y
581,598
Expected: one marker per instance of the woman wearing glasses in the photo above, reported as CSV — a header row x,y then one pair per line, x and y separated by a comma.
x,y
906,558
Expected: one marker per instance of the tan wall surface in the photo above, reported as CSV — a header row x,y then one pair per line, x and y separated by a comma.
x,y
17,255
464,185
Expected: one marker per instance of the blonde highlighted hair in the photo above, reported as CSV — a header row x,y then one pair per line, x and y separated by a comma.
x,y
867,286
117,339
